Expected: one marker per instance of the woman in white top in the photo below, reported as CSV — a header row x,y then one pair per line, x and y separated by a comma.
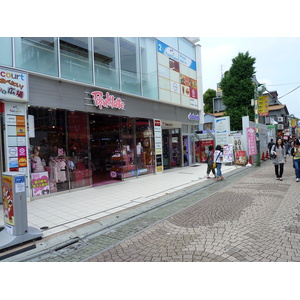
x,y
218,158
279,150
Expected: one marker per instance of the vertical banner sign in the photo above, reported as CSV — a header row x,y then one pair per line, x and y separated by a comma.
x,y
251,137
263,105
16,137
158,145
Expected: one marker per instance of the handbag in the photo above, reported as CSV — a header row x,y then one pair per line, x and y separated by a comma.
x,y
273,155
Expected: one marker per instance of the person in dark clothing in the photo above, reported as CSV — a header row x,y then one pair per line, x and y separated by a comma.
x,y
210,162
270,145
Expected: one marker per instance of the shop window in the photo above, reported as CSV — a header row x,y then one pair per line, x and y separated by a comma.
x,y
57,163
6,51
106,62
130,66
79,166
145,151
37,54
76,58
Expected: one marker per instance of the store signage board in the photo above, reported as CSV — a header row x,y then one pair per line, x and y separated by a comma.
x,y
13,85
107,101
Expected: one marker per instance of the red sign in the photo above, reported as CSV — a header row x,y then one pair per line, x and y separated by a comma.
x,y
108,102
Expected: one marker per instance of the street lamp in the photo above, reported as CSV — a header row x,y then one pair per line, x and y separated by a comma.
x,y
259,89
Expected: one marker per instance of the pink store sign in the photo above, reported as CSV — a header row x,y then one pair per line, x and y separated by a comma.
x,y
251,137
107,101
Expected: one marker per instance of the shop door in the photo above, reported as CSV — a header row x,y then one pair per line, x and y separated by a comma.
x,y
171,148
166,148
105,148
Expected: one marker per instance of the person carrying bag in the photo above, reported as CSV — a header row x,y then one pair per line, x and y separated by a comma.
x,y
218,158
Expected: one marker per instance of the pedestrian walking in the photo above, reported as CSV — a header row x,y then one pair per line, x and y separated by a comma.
x,y
210,162
270,145
218,158
279,159
295,152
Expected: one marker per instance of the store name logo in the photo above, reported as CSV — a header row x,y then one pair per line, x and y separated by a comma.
x,y
193,117
108,102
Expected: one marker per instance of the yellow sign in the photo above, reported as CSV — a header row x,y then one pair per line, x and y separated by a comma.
x,y
263,105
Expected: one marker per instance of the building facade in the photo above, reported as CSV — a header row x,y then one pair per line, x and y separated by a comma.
x,y
79,112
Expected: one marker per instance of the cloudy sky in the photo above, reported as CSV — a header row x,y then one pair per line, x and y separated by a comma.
x,y
277,64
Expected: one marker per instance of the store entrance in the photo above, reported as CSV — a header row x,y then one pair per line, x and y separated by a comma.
x,y
105,142
171,148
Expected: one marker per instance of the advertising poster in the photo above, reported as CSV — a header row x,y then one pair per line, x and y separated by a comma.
x,y
203,149
8,201
228,154
251,137
240,157
40,184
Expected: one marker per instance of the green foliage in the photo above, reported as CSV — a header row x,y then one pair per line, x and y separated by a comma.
x,y
238,90
208,100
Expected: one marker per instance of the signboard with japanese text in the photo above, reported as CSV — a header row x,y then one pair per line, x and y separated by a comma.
x,y
251,136
263,105
13,85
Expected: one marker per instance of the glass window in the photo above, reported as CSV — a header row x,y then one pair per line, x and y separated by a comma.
x,y
76,59
130,67
149,67
37,54
5,51
145,152
170,41
48,151
187,48
79,166
106,62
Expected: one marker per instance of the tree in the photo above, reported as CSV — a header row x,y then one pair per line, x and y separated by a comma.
x,y
238,89
208,100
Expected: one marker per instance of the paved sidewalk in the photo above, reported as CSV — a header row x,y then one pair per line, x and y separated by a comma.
x,y
253,219
63,211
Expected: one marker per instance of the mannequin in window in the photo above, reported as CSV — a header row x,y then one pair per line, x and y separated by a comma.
x,y
139,150
36,162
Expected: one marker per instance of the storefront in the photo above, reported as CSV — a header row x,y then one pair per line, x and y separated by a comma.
x,y
80,137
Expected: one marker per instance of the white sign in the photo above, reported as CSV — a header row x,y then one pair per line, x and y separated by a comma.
x,y
13,85
222,130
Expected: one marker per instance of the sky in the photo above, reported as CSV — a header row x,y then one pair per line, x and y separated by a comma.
x,y
277,64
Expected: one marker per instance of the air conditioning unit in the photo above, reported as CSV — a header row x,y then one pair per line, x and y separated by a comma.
x,y
280,126
280,119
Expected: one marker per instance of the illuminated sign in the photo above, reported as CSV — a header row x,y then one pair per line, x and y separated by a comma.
x,y
108,102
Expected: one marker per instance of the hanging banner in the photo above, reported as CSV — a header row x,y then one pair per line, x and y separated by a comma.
x,y
251,136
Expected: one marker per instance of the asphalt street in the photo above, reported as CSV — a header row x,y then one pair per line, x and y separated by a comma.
x,y
250,217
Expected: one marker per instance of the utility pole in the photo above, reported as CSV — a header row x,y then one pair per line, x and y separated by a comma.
x,y
258,90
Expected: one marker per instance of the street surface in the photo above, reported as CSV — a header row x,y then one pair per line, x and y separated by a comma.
x,y
247,218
